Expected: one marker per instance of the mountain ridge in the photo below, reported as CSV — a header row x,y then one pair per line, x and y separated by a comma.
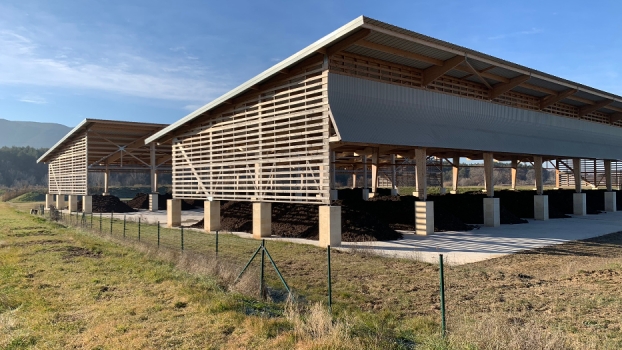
x,y
33,134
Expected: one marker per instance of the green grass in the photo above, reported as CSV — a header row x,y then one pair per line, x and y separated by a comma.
x,y
32,196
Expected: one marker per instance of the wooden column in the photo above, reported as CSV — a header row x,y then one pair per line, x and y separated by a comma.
x,y
393,174
488,171
354,179
422,185
454,172
514,170
374,170
557,184
608,178
537,165
106,181
154,186
576,165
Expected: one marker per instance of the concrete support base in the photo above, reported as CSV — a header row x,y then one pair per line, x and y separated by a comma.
x,y
73,203
330,226
334,195
153,202
492,212
262,220
424,217
106,194
60,201
49,201
453,192
394,192
87,204
365,194
173,212
610,202
541,207
211,216
579,204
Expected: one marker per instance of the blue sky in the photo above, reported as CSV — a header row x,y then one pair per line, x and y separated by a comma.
x,y
156,61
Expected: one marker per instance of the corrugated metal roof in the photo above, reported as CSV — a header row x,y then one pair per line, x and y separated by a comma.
x,y
506,73
526,91
367,111
404,39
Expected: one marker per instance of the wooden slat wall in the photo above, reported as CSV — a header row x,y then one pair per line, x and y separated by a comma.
x,y
392,73
273,147
67,172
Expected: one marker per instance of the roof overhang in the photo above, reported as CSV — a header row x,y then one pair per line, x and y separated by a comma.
x,y
538,81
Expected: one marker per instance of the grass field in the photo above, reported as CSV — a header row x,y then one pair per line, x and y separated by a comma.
x,y
64,287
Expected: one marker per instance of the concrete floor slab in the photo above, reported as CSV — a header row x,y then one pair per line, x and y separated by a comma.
x,y
458,247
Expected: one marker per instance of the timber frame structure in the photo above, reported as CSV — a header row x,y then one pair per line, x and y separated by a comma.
x,y
372,95
103,146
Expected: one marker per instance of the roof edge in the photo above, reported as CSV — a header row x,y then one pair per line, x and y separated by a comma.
x,y
61,141
268,73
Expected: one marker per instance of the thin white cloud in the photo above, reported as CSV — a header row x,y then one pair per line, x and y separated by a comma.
x,y
38,100
30,58
192,108
515,34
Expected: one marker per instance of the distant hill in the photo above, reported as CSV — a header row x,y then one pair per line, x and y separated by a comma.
x,y
33,134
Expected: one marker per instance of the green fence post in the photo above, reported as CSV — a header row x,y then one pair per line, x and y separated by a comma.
x,y
182,238
124,225
330,285
139,229
100,222
261,282
111,217
158,233
216,242
442,287
91,221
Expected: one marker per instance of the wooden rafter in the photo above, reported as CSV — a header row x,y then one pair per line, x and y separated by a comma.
x,y
552,99
476,73
138,143
433,73
585,110
399,52
360,35
615,117
501,88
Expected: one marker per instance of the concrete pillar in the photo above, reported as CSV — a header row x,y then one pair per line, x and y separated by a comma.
x,y
330,226
394,191
454,175
541,207
73,203
492,212
374,170
60,201
576,165
537,166
488,172
87,204
262,219
173,212
422,181
557,184
154,203
211,216
608,178
424,217
610,202
513,172
579,202
49,200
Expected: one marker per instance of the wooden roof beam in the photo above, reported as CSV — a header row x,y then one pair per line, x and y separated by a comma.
x,y
585,110
501,88
360,35
475,72
614,117
399,52
552,99
433,73
134,145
